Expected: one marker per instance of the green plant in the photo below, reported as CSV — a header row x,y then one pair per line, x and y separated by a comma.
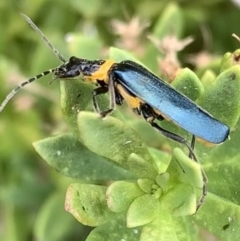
x,y
149,197
126,181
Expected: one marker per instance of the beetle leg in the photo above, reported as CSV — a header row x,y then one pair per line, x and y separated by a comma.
x,y
180,139
102,90
118,98
98,91
112,93
192,146
136,111
146,112
174,137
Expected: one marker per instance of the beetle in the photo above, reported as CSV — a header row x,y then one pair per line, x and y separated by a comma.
x,y
144,92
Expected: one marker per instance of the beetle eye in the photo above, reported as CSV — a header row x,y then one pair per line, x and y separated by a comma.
x,y
72,59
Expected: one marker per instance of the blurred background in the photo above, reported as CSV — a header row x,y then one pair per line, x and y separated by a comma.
x,y
31,193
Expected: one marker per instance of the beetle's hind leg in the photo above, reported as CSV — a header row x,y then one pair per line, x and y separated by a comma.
x,y
192,146
149,115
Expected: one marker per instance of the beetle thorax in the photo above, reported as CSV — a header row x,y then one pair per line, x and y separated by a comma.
x,y
92,70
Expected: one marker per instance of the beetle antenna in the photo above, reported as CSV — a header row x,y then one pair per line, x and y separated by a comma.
x,y
49,44
15,90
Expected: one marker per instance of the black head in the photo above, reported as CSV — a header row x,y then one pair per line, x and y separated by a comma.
x,y
77,67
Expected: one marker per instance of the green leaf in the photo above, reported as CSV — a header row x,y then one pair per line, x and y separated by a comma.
x,y
226,151
192,170
223,178
213,66
184,228
182,169
161,228
164,227
169,22
145,185
115,230
208,78
142,210
87,203
229,60
220,217
76,96
222,98
161,159
185,176
180,200
188,83
69,157
140,167
111,138
121,194
163,180
48,226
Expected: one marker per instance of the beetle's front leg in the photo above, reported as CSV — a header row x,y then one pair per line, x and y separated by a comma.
x,y
99,91
102,90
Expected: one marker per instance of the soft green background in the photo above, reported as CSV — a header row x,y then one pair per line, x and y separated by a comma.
x,y
32,194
